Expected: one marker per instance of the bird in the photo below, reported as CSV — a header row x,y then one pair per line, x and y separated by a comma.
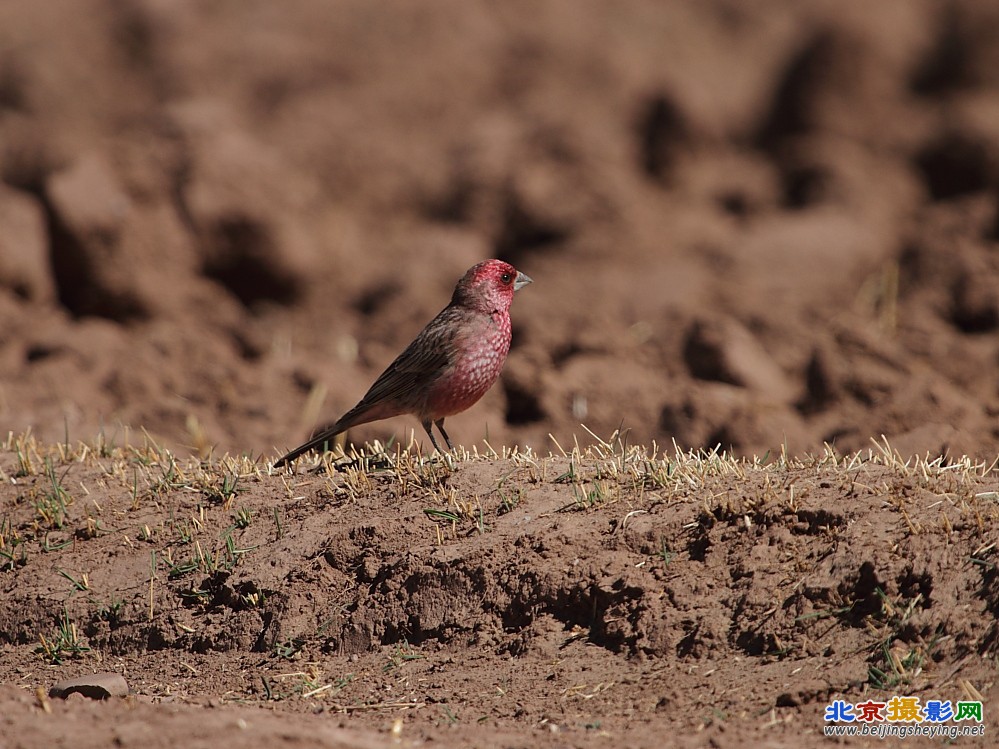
x,y
448,367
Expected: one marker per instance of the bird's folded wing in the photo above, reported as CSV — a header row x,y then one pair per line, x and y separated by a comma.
x,y
423,361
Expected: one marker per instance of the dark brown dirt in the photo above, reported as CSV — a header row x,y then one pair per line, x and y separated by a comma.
x,y
589,600
765,226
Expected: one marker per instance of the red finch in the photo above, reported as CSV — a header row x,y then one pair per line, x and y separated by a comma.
x,y
449,365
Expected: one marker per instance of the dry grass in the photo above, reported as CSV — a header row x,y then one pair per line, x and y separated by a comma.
x,y
604,473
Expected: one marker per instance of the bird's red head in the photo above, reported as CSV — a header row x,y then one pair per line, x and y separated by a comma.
x,y
489,286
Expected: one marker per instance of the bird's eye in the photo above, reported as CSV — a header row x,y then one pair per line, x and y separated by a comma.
x,y
506,278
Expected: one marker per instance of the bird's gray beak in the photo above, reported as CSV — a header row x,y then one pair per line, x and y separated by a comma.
x,y
521,281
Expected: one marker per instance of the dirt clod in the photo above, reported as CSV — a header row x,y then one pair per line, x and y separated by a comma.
x,y
99,686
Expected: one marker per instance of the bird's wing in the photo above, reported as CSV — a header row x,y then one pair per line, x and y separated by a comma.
x,y
399,387
423,361
403,386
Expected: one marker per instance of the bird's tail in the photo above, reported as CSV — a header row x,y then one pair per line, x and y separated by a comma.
x,y
359,414
319,440
362,413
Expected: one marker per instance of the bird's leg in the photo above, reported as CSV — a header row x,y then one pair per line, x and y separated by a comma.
x,y
440,425
427,425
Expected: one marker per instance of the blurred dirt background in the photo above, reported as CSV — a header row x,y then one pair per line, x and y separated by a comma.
x,y
750,224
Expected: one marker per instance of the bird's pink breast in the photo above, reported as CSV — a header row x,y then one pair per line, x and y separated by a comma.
x,y
478,361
